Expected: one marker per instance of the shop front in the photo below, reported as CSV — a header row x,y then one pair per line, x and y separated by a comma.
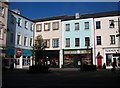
x,y
112,55
74,58
51,58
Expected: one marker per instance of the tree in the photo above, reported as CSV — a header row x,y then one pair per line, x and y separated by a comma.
x,y
38,49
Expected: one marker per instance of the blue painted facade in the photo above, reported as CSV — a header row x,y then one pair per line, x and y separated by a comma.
x,y
12,33
81,33
75,55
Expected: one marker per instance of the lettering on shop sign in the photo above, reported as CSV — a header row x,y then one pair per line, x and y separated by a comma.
x,y
112,50
78,52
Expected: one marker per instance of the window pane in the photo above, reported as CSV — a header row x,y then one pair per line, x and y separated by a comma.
x,y
76,42
87,41
47,27
76,26
67,42
98,40
39,27
111,23
86,25
67,27
112,39
55,25
98,26
55,43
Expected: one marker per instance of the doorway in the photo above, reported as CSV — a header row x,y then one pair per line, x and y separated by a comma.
x,y
116,60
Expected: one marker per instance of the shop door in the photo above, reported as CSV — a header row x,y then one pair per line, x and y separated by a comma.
x,y
99,63
116,60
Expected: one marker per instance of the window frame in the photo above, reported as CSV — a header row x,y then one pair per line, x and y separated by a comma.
x,y
86,23
47,43
99,40
110,22
67,27
98,24
112,39
25,42
48,29
54,25
87,41
31,41
26,24
77,42
19,43
67,43
19,22
54,43
40,27
77,26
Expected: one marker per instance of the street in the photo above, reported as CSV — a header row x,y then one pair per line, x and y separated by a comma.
x,y
60,78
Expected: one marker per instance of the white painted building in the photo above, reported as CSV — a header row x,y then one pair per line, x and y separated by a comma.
x,y
51,31
106,43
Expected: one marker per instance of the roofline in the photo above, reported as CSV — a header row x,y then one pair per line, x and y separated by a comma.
x,y
21,15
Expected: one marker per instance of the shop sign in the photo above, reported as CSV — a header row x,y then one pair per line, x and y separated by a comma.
x,y
112,51
18,52
78,52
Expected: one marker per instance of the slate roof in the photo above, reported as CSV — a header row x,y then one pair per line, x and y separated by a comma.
x,y
95,15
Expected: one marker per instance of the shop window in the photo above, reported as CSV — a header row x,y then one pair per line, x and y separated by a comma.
x,y
108,60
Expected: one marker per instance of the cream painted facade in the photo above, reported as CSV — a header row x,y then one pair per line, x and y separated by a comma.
x,y
106,49
51,35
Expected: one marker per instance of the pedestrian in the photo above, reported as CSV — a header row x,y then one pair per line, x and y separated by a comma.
x,y
113,67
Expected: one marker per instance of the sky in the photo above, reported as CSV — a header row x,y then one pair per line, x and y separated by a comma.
x,y
35,10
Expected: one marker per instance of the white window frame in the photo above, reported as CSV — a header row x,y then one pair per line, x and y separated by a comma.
x,y
19,40
31,42
47,27
19,22
25,42
26,24
55,25
112,39
38,27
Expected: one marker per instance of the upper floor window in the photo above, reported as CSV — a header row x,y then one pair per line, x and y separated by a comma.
x,y
112,39
18,39
11,37
19,22
2,11
55,25
12,19
77,42
47,26
76,26
67,42
55,43
31,27
87,41
86,25
39,27
98,40
26,24
111,24
47,43
1,33
67,27
25,41
98,25
31,41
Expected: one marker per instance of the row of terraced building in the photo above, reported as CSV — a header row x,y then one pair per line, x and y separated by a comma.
x,y
70,40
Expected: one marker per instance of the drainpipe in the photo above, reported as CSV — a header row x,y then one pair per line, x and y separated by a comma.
x,y
94,47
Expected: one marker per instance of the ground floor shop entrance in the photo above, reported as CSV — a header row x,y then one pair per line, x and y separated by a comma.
x,y
76,58
51,58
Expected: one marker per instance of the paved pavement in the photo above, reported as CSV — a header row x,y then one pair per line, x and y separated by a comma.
x,y
63,78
